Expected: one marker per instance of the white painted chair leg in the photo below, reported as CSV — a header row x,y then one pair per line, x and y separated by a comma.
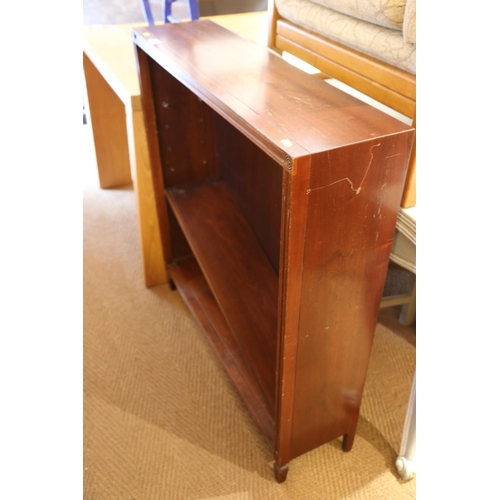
x,y
406,461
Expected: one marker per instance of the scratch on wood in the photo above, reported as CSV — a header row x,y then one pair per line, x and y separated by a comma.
x,y
298,99
356,190
319,132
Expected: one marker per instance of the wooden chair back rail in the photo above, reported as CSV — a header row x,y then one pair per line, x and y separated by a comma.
x,y
368,66
365,84
386,84
194,12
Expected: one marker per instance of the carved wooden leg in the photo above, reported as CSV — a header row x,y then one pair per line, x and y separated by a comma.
x,y
280,473
348,441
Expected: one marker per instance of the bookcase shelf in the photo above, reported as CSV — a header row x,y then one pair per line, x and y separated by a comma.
x,y
239,274
277,197
197,294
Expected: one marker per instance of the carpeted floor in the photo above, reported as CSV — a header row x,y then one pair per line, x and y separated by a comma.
x,y
162,420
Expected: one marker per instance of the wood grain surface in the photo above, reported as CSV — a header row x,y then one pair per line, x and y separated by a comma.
x,y
252,85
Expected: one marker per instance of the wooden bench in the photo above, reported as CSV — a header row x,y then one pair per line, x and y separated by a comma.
x,y
115,115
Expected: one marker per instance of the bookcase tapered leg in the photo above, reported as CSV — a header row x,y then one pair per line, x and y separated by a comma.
x,y
280,473
347,441
172,284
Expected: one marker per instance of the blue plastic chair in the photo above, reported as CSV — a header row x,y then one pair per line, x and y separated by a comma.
x,y
194,11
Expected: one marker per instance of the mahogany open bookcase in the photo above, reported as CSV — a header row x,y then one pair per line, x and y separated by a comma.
x,y
277,197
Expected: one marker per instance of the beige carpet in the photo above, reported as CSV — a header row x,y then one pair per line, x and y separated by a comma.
x,y
162,420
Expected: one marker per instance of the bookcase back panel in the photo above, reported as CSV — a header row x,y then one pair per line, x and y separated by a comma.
x,y
255,179
185,131
179,245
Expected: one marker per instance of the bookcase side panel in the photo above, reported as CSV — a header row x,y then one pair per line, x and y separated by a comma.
x,y
353,201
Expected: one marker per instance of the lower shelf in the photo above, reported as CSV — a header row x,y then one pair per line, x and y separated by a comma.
x,y
238,272
195,291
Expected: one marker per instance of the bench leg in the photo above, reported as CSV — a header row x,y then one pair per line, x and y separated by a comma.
x,y
155,272
106,114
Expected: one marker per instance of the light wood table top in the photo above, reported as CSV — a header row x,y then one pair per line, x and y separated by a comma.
x,y
111,50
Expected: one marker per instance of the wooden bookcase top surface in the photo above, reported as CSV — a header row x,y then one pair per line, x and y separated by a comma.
x,y
284,110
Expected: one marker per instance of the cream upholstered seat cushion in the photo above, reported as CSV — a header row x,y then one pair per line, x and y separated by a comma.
x,y
410,22
387,13
379,42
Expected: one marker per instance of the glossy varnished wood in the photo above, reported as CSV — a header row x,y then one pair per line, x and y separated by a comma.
x,y
281,209
356,190
292,238
252,86
185,130
256,181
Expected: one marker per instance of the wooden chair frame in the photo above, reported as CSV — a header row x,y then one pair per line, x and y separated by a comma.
x,y
387,84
